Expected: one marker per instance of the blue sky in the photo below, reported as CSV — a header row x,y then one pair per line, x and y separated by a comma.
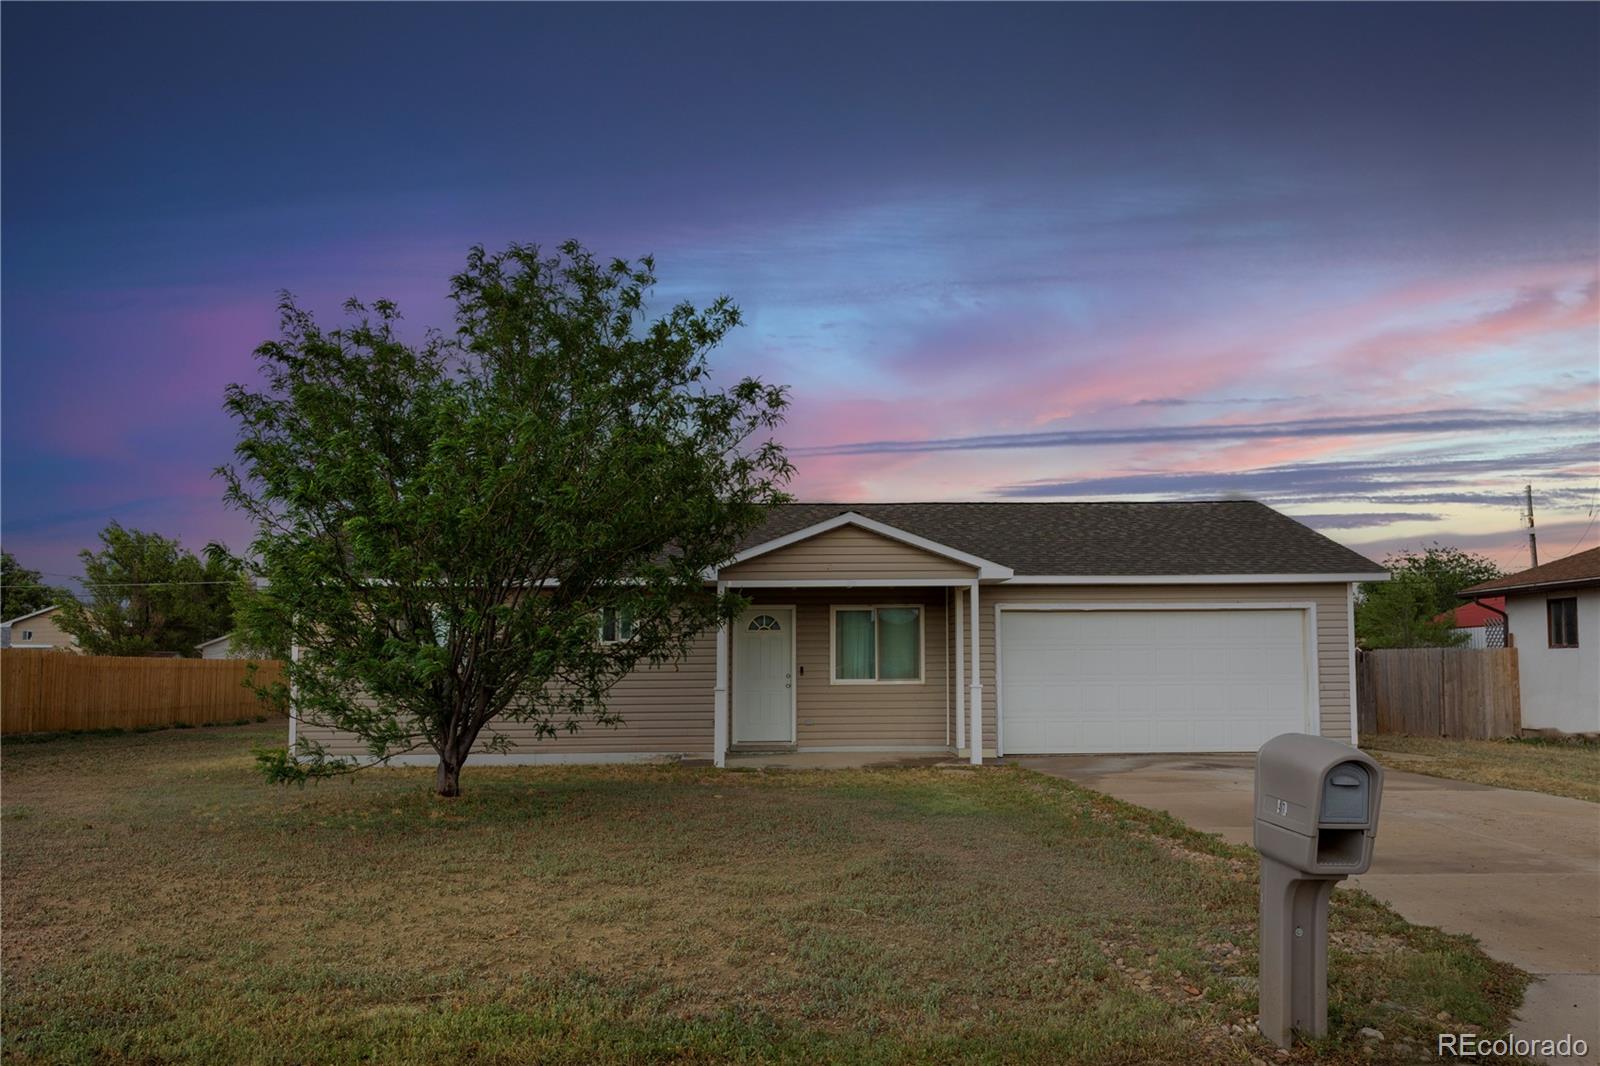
x,y
1341,258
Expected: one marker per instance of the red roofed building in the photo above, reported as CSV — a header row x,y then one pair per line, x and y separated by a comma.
x,y
1485,628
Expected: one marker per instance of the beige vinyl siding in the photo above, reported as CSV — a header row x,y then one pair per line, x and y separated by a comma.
x,y
846,553
835,716
666,711
47,632
1333,638
669,711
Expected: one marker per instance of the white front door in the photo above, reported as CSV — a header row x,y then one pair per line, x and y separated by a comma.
x,y
763,676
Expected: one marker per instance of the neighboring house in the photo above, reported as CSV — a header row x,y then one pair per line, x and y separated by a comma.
x,y
1554,613
1483,623
218,648
38,629
1101,627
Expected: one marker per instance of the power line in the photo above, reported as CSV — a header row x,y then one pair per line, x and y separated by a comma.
x,y
79,577
123,584
1593,512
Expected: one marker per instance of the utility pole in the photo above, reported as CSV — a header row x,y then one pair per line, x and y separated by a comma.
x,y
1533,541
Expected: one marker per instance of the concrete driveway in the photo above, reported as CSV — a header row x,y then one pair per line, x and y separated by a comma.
x,y
1518,870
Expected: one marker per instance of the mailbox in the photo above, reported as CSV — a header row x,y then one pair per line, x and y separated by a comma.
x,y
1316,817
1316,804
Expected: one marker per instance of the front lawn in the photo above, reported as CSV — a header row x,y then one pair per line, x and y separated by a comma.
x,y
160,903
1559,767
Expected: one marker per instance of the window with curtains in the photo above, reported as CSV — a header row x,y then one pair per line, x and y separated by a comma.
x,y
1562,616
616,625
878,644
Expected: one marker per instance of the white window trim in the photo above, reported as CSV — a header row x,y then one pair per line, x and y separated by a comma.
x,y
600,627
833,644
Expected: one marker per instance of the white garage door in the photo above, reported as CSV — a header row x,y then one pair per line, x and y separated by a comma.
x,y
1151,680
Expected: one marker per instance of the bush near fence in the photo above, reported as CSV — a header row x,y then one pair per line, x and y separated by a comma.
x,y
1470,693
53,691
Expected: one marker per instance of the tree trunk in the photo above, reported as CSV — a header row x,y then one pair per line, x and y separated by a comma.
x,y
452,756
447,782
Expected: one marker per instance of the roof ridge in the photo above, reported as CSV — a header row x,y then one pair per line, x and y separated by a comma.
x,y
1136,538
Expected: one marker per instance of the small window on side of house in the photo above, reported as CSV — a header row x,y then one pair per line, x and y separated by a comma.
x,y
27,634
616,625
1562,618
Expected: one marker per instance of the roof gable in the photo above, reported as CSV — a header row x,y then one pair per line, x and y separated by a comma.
x,y
986,569
31,614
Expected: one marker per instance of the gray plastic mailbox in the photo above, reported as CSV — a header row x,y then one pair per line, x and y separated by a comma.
x,y
1315,819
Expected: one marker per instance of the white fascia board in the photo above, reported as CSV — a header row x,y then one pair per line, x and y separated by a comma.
x,y
1575,584
1194,579
987,569
849,583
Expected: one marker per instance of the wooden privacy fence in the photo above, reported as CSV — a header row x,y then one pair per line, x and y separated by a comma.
x,y
49,691
1439,692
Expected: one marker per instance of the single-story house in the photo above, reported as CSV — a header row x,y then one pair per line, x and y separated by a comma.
x,y
38,629
993,629
217,647
1483,623
1553,614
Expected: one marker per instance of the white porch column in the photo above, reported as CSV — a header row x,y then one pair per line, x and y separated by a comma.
x,y
719,699
975,691
961,677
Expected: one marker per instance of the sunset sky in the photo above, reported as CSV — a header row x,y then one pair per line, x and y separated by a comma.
x,y
1338,258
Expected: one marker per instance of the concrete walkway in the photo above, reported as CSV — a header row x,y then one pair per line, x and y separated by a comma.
x,y
1518,870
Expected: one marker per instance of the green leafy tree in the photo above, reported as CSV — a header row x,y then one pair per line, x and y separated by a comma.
x,y
148,595
23,591
448,525
1411,609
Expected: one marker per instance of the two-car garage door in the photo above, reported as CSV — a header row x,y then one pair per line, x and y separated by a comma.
x,y
1152,680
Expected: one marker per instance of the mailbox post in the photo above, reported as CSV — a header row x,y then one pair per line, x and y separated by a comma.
x,y
1315,819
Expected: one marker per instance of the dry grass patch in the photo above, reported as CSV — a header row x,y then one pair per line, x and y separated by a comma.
x,y
160,904
1559,767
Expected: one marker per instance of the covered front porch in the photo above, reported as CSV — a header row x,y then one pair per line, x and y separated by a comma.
x,y
849,671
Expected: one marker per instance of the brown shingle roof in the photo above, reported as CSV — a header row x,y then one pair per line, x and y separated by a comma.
x,y
1574,571
1089,539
